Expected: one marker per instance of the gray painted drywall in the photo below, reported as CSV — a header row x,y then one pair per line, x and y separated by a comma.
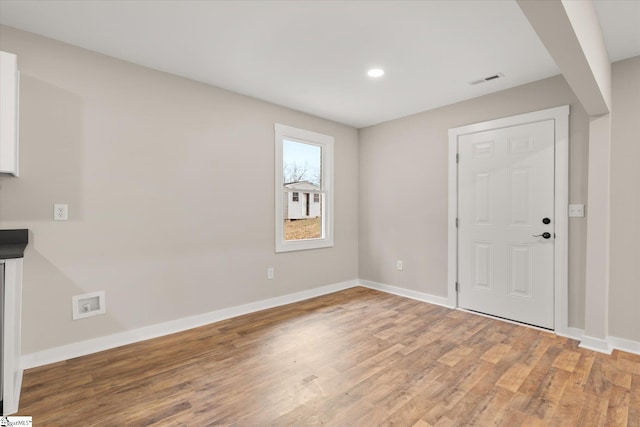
x,y
624,284
403,188
170,190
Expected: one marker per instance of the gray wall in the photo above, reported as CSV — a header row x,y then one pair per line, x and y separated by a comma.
x,y
403,192
403,188
624,297
170,190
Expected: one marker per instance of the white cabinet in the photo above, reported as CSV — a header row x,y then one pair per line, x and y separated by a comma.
x,y
11,370
9,84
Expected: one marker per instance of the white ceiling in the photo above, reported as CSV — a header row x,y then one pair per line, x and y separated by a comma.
x,y
313,56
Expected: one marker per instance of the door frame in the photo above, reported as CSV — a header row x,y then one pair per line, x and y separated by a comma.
x,y
560,116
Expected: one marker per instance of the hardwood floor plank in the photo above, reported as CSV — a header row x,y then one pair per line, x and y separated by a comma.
x,y
618,410
548,394
412,411
514,377
358,357
570,406
628,365
491,408
567,360
496,352
599,381
456,355
634,402
512,418
594,411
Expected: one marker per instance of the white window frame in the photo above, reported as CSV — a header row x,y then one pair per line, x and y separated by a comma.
x,y
325,142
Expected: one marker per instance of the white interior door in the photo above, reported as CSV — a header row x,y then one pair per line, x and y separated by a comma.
x,y
505,204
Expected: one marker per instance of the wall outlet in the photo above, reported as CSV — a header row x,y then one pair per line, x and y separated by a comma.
x,y
576,211
60,212
399,265
270,273
88,305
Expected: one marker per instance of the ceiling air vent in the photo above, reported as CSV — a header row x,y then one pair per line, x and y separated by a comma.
x,y
487,79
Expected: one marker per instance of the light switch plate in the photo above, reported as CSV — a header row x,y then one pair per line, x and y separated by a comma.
x,y
576,211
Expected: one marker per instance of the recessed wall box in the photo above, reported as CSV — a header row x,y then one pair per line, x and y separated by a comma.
x,y
88,305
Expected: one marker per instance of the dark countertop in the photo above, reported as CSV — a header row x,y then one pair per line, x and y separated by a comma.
x,y
12,243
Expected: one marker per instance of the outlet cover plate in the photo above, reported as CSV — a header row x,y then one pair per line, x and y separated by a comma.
x,y
60,212
576,211
95,301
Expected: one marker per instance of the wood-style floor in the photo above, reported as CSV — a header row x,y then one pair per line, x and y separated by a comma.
x,y
353,358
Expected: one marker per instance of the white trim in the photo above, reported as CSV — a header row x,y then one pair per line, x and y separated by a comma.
x,y
452,247
572,333
576,334
407,293
325,142
624,344
83,348
11,324
560,115
107,342
595,344
602,346
561,261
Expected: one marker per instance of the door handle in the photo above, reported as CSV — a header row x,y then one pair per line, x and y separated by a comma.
x,y
546,235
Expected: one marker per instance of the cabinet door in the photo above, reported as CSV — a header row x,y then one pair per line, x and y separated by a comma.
x,y
12,372
8,113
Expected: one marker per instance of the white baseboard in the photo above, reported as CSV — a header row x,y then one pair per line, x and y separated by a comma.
x,y
590,343
572,333
602,346
94,345
625,345
107,342
595,344
432,299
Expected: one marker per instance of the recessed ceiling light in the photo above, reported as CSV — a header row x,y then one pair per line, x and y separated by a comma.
x,y
375,72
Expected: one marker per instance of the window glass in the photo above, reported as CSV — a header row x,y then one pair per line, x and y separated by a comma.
x,y
303,201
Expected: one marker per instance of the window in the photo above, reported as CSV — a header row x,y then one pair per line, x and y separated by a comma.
x,y
304,189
